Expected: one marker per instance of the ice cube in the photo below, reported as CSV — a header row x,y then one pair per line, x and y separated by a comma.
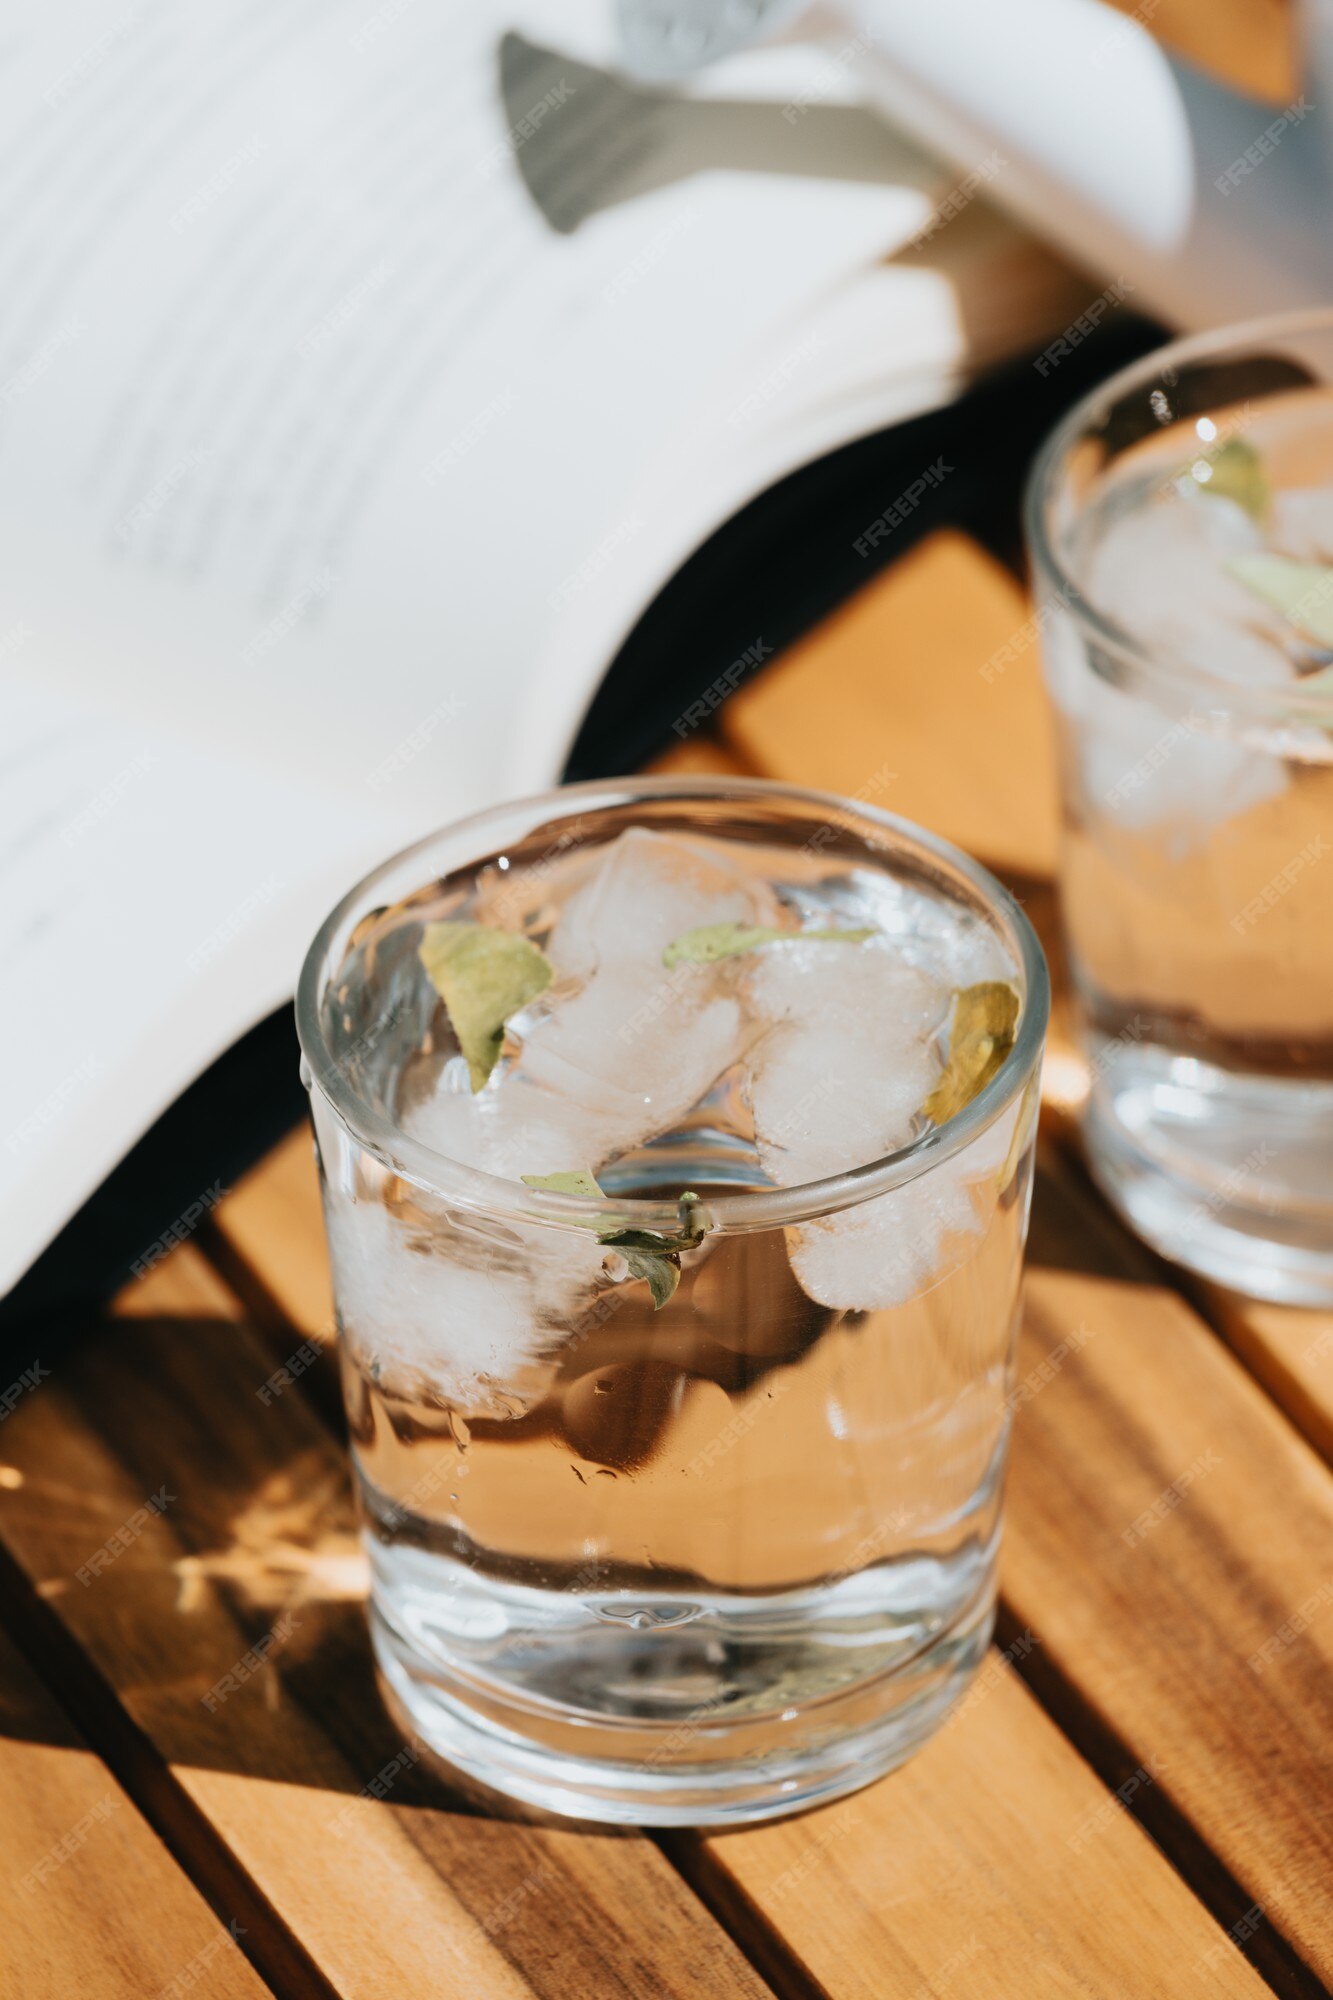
x,y
852,1049
888,1249
846,1059
650,889
1301,524
1160,571
619,1049
926,929
457,1307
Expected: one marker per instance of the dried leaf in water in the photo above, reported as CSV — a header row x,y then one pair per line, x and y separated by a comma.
x,y
1301,591
483,976
1234,471
980,1037
710,942
654,1258
661,1270
579,1182
657,1258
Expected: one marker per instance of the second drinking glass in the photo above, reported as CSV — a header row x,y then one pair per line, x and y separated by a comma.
x,y
1181,524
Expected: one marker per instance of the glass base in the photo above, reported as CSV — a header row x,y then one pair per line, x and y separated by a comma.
x,y
1230,1176
711,1765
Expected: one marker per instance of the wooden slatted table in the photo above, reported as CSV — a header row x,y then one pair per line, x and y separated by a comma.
x,y
1135,1799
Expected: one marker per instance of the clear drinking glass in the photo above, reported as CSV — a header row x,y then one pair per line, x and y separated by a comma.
x,y
1180,521
717,1557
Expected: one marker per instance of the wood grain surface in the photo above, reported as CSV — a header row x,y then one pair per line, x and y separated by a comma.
x,y
79,1867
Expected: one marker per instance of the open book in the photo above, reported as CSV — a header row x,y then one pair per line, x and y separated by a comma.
x,y
366,369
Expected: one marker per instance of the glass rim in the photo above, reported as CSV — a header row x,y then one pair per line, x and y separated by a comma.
x,y
750,1209
1286,704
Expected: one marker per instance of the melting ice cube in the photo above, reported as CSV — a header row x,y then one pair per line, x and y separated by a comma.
x,y
458,1307
851,1051
845,1060
618,1049
1161,572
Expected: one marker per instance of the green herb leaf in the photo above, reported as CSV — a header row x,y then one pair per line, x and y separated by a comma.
x,y
640,1239
578,1182
1301,591
690,1232
1234,471
483,975
654,1258
980,1037
661,1272
710,942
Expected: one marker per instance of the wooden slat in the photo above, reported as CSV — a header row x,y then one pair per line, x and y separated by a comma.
x,y
994,1864
1289,1351
80,1871
253,1560
704,754
1014,1866
268,1211
1170,1543
905,697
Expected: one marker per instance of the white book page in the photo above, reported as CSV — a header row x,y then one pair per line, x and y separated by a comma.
x,y
154,893
359,381
309,416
